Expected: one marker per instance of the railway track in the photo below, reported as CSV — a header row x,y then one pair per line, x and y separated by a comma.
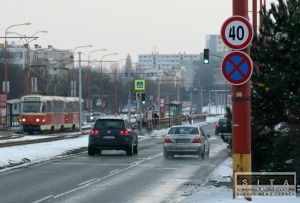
x,y
35,141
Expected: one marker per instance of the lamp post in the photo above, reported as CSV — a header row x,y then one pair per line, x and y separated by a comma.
x,y
89,79
102,96
73,86
116,87
80,86
27,54
5,56
80,89
129,76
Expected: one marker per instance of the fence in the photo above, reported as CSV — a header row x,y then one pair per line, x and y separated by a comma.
x,y
174,120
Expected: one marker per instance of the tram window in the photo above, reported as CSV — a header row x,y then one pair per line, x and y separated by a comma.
x,y
30,107
43,108
48,107
67,108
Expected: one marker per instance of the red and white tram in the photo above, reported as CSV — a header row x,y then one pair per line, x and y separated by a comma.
x,y
41,113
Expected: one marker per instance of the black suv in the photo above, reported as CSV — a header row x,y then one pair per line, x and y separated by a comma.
x,y
222,126
112,133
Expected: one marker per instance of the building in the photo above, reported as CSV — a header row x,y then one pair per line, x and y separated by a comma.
x,y
165,61
40,65
216,45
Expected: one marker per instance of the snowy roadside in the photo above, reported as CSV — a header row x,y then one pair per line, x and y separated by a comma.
x,y
221,189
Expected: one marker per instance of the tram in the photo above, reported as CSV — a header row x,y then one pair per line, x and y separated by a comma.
x,y
40,113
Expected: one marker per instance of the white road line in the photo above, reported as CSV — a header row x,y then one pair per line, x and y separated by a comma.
x,y
87,182
91,164
114,171
45,198
100,179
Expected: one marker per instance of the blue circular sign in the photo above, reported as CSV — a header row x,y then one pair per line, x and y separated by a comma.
x,y
237,67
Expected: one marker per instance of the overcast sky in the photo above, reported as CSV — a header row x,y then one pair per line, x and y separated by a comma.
x,y
124,26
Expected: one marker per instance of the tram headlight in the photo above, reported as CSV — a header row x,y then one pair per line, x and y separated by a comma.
x,y
23,120
37,120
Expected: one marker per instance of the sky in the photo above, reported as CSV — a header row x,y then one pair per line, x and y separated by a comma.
x,y
121,26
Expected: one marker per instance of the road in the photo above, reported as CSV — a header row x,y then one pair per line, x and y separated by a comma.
x,y
113,176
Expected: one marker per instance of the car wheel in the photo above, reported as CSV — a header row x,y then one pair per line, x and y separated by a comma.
x,y
135,149
166,154
99,151
91,151
202,154
129,151
207,154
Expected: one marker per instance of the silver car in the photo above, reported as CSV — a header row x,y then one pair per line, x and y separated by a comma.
x,y
186,140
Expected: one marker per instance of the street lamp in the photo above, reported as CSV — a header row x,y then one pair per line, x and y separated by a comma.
x,y
5,56
102,99
80,87
89,79
27,54
73,52
116,87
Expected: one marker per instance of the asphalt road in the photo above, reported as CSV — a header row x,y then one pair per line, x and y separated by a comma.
x,y
113,176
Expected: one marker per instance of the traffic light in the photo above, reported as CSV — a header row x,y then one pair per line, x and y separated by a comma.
x,y
138,95
143,99
206,56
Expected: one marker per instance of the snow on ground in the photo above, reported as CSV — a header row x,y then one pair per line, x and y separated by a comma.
x,y
213,194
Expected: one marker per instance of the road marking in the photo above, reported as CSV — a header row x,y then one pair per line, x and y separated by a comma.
x,y
105,177
45,198
91,164
87,181
114,171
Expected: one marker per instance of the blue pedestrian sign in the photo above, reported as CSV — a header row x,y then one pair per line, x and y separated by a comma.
x,y
139,85
237,67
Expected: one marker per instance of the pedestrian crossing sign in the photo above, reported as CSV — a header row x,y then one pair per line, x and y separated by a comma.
x,y
139,84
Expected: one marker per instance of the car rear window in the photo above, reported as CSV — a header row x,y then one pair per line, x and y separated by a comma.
x,y
223,121
183,130
110,123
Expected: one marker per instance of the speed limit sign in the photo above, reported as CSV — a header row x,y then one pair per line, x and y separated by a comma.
x,y
237,32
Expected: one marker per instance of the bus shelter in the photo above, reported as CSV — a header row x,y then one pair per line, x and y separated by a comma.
x,y
174,113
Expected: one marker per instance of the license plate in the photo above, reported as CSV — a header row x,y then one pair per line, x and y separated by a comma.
x,y
108,137
183,141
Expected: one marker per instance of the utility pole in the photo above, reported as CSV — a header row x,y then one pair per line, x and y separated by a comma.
x,y
241,116
80,93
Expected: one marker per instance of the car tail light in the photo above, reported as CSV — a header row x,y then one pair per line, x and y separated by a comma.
x,y
197,139
168,139
94,132
124,132
217,125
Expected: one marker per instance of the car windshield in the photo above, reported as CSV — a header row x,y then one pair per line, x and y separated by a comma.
x,y
110,123
183,130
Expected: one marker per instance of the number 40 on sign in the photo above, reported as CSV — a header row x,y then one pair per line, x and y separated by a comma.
x,y
237,32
